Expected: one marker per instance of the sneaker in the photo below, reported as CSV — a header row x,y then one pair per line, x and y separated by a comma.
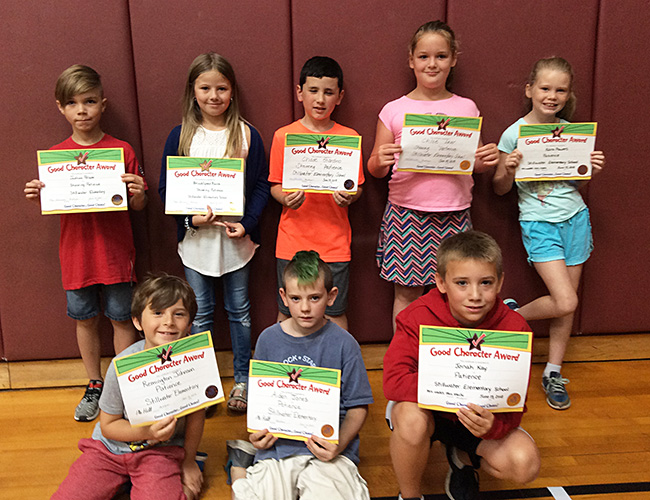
x,y
556,395
240,454
88,408
462,480
511,303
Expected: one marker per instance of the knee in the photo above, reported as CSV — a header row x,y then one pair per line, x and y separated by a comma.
x,y
411,426
567,304
524,465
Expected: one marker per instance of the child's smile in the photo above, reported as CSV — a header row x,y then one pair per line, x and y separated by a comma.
x,y
548,94
213,92
165,325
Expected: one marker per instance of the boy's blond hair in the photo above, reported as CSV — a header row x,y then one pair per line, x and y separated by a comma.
x,y
469,245
77,79
161,291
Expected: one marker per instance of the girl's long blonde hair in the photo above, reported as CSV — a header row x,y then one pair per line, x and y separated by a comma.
x,y
192,117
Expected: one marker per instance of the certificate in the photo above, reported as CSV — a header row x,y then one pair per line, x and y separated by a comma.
x,y
555,151
321,163
173,379
294,401
194,183
489,368
439,144
82,180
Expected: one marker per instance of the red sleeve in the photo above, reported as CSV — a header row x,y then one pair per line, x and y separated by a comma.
x,y
276,160
401,360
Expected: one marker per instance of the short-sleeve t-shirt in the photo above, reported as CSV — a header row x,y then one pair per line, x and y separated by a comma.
x,y
424,191
97,247
319,224
329,347
111,402
549,201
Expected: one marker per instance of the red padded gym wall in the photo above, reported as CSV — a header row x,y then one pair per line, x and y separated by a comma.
x,y
39,41
499,43
616,277
255,38
371,45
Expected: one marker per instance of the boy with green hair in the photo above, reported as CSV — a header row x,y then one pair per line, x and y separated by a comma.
x,y
315,469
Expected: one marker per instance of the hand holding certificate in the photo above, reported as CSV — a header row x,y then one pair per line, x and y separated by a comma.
x,y
294,401
82,180
321,163
555,151
195,183
439,144
485,367
173,379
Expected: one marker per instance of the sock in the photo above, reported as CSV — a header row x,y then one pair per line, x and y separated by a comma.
x,y
96,384
551,368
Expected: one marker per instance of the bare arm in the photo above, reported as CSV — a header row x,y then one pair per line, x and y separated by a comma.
x,y
383,152
506,169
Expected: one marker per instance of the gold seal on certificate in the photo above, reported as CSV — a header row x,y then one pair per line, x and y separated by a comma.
x,y
294,401
439,144
457,366
321,163
194,183
172,379
82,180
555,151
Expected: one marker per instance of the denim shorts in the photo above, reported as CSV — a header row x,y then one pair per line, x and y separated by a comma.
x,y
340,277
83,303
570,240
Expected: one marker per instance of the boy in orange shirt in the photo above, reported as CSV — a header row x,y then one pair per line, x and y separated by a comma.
x,y
315,221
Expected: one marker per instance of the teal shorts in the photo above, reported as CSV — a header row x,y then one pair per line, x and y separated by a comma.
x,y
570,241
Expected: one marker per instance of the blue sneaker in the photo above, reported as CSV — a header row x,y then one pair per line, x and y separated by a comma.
x,y
511,303
556,395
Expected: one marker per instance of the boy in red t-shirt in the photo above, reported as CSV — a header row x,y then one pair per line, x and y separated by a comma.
x,y
468,279
315,221
96,248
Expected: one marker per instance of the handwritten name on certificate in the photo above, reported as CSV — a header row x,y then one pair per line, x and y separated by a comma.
x,y
486,367
294,401
439,144
555,151
173,379
194,183
82,180
321,163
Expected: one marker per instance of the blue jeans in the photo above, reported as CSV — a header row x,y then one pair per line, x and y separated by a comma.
x,y
238,307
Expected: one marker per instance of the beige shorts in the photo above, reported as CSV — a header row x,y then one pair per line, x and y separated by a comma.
x,y
302,476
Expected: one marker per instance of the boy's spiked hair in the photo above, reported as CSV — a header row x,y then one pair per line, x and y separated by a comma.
x,y
77,79
160,291
307,266
319,67
469,245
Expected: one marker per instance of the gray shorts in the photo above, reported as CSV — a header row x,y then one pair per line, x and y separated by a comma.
x,y
340,277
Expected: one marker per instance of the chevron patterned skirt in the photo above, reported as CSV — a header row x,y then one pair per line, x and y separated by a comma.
x,y
409,240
